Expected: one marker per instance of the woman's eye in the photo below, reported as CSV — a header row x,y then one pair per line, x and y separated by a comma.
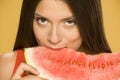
x,y
70,22
42,21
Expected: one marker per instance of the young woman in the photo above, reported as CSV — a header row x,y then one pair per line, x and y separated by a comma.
x,y
75,24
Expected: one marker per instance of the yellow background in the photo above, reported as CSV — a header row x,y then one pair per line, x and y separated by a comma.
x,y
9,18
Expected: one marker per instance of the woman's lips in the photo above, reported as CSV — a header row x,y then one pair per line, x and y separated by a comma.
x,y
55,48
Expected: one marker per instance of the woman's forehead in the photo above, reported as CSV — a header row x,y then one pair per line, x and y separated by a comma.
x,y
52,8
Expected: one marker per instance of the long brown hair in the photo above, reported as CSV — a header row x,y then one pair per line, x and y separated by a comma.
x,y
89,18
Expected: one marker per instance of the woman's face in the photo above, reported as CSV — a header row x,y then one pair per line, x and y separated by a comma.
x,y
55,26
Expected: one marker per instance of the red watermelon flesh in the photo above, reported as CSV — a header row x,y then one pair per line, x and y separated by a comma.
x,y
68,64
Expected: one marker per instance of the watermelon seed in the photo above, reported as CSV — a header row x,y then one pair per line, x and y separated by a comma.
x,y
103,66
65,62
91,65
111,63
79,63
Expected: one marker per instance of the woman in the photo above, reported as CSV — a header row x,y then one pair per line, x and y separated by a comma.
x,y
75,24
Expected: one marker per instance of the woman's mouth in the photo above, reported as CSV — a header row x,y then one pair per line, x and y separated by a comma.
x,y
55,48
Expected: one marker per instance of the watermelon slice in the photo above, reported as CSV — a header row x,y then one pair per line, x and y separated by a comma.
x,y
68,64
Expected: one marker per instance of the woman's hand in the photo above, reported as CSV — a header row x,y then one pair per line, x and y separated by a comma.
x,y
24,67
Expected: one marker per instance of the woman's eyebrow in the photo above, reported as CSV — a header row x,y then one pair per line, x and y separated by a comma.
x,y
69,18
63,19
38,15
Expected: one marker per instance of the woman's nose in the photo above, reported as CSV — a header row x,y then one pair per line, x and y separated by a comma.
x,y
54,36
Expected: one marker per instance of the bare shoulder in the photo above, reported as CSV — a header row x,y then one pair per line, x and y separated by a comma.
x,y
7,62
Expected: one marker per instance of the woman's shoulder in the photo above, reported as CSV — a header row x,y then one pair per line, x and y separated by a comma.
x,y
7,62
6,57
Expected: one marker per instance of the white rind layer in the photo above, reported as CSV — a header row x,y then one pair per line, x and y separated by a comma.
x,y
29,60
